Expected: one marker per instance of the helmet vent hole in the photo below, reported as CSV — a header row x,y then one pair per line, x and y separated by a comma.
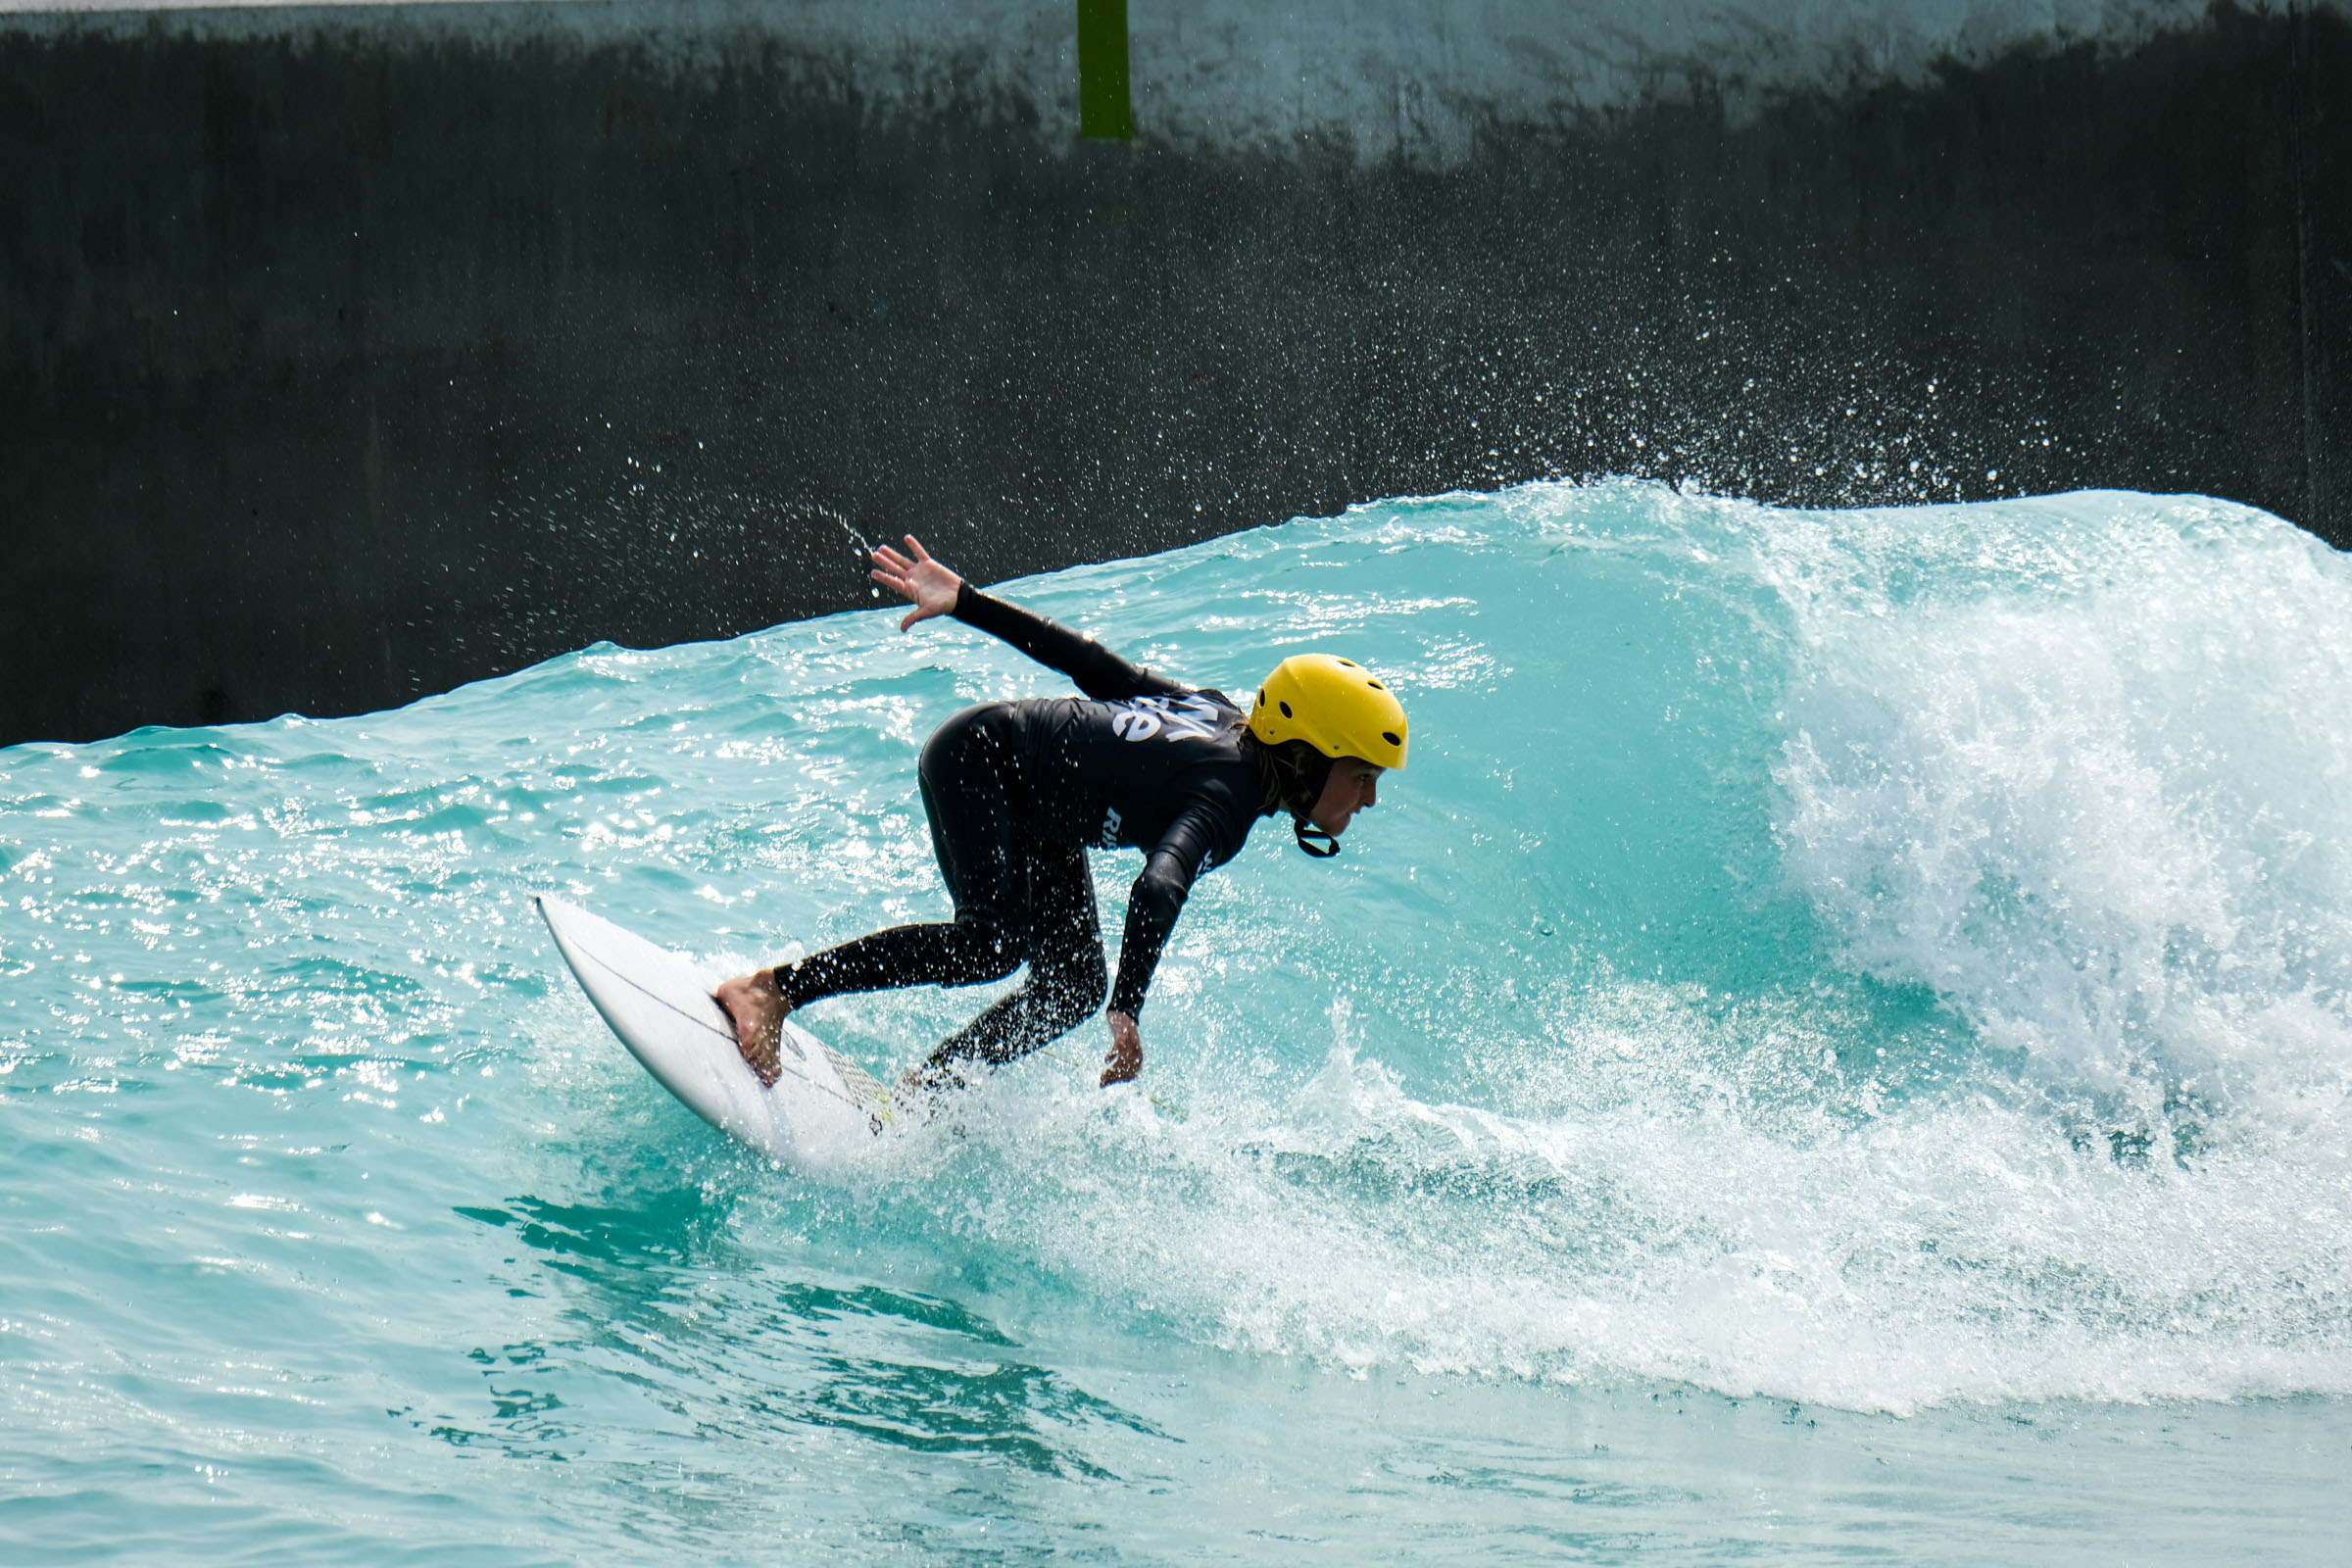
x,y
1350,663
1376,686
1286,710
1391,739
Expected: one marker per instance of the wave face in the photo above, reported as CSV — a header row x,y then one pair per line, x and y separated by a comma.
x,y
1883,961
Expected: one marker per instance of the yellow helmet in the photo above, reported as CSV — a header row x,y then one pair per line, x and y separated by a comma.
x,y
1334,705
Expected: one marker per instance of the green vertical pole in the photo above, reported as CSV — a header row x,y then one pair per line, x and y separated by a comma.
x,y
1104,112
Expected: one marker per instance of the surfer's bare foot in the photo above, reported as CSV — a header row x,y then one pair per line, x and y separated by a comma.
x,y
755,1004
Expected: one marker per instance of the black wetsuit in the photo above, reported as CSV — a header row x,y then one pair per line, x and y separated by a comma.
x,y
1017,793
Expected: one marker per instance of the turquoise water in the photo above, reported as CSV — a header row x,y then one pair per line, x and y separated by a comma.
x,y
1839,1046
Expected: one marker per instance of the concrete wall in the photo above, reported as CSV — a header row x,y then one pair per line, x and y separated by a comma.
x,y
349,354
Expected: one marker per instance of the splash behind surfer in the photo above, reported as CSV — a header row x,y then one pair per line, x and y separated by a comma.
x,y
1018,792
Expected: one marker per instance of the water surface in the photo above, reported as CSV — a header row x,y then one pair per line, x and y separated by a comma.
x,y
1837,1046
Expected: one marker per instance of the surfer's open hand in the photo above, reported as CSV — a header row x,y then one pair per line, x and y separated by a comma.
x,y
1126,1058
916,576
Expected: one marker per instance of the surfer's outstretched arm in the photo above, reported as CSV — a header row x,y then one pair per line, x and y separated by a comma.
x,y
936,590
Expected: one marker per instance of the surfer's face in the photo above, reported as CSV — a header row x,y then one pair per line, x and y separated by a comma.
x,y
1353,785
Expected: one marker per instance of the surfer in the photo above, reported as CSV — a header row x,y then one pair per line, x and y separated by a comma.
x,y
1017,793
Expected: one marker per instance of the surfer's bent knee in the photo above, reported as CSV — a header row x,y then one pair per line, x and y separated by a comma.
x,y
995,950
1080,986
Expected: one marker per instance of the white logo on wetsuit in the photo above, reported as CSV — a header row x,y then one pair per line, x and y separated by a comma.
x,y
1180,718
1110,829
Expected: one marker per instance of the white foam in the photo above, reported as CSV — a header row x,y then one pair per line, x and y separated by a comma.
x,y
2096,791
1941,1253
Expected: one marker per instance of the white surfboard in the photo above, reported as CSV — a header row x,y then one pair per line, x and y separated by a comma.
x,y
825,1108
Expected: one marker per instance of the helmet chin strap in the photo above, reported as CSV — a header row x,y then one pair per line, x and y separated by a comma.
x,y
1311,839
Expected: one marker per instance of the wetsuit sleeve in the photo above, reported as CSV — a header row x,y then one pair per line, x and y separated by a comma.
x,y
1158,898
1099,673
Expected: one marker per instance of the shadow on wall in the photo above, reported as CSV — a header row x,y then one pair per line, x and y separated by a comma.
x,y
346,361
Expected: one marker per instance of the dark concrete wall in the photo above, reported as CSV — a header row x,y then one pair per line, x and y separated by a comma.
x,y
343,361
